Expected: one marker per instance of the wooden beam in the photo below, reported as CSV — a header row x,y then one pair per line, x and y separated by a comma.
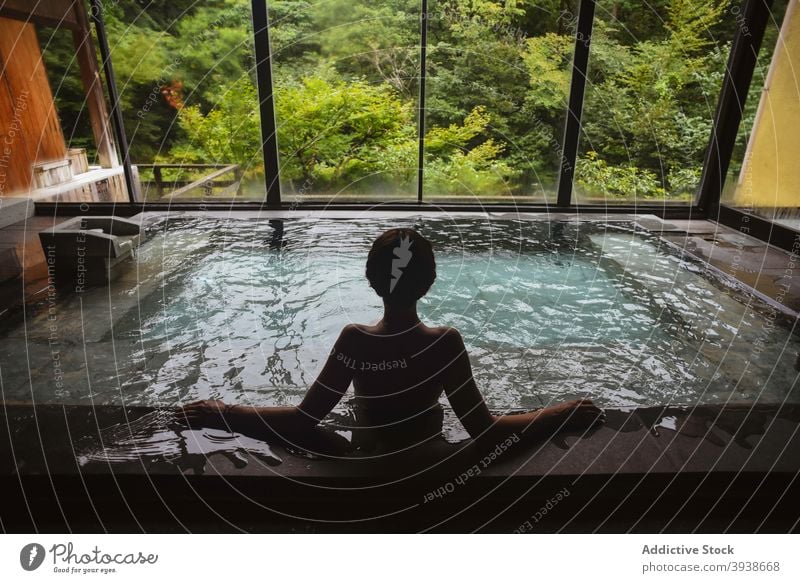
x,y
50,13
93,88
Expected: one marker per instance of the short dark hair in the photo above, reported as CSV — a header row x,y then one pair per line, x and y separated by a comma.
x,y
401,267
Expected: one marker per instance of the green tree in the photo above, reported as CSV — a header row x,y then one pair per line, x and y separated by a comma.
x,y
228,134
333,132
453,167
647,114
213,46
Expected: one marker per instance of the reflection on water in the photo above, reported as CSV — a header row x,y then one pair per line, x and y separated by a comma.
x,y
157,437
246,311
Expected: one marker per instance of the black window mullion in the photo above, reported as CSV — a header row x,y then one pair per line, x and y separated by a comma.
x,y
572,129
730,105
269,136
115,114
423,56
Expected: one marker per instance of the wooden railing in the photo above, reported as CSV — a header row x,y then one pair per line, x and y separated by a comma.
x,y
207,183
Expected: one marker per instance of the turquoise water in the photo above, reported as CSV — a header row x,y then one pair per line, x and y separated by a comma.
x,y
247,311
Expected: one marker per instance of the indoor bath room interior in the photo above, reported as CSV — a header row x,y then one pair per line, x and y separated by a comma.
x,y
399,266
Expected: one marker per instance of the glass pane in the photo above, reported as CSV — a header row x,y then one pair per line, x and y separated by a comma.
x,y
655,72
346,92
185,72
498,76
764,176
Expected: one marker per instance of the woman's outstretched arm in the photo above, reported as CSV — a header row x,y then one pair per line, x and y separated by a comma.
x,y
260,422
471,409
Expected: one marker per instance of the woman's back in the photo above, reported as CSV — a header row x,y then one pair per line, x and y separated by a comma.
x,y
396,370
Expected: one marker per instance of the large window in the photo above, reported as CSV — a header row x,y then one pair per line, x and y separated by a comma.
x,y
186,77
346,84
438,100
498,79
655,72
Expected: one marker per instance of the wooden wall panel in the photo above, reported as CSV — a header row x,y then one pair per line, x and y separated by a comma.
x,y
28,102
15,165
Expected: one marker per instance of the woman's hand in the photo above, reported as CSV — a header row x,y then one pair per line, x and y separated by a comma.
x,y
206,413
580,414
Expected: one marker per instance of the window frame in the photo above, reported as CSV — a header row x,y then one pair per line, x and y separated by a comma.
x,y
705,205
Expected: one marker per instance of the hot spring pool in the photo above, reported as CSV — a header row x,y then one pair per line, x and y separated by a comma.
x,y
247,311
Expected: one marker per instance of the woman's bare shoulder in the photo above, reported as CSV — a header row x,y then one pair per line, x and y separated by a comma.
x,y
358,333
447,333
354,329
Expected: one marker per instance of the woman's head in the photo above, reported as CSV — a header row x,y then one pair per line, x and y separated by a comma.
x,y
401,267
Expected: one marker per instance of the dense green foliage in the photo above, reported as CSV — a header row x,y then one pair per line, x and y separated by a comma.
x,y
346,80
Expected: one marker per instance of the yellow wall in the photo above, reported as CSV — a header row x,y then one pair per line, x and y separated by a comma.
x,y
771,172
